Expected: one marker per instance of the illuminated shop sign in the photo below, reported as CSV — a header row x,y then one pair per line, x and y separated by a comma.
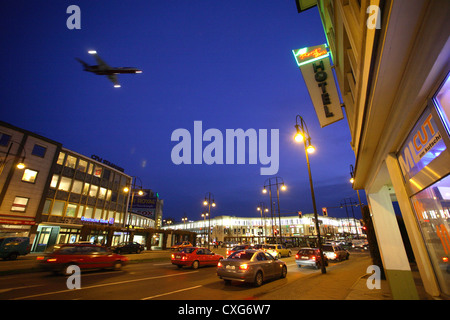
x,y
314,63
102,221
423,144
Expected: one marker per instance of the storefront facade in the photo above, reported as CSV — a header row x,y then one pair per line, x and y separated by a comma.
x,y
391,60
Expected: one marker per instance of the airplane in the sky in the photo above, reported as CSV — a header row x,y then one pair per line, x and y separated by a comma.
x,y
104,69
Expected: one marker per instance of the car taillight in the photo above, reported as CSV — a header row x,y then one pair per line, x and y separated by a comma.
x,y
296,256
243,266
313,258
334,255
51,260
173,256
40,258
219,264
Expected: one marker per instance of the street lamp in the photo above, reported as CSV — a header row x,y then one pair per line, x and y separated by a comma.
x,y
134,190
204,215
268,183
208,198
352,180
184,219
303,135
263,209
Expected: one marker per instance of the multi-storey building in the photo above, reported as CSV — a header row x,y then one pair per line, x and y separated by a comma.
x,y
22,189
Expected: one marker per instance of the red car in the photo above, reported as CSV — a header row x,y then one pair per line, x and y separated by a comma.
x,y
195,257
237,248
85,256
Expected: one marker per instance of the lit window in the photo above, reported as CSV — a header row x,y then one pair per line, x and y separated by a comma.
x,y
86,189
39,151
82,166
102,193
64,184
71,210
77,186
93,191
20,204
57,209
98,171
29,175
54,182
61,158
71,162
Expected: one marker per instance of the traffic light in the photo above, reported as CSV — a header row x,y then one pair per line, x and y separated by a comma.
x,y
324,212
299,214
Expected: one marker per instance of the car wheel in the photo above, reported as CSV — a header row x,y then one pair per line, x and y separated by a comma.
x,y
258,279
179,266
195,264
13,256
67,270
283,272
117,265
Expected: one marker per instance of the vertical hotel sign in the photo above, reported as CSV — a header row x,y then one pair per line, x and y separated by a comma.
x,y
314,63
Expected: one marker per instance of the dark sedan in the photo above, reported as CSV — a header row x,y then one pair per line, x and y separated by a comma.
x,y
128,247
254,266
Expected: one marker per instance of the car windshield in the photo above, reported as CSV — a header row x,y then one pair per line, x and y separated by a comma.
x,y
241,255
188,250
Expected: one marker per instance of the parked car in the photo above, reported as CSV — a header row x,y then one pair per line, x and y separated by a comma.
x,y
85,256
12,247
310,257
181,245
237,248
254,266
128,247
277,250
195,257
335,252
360,244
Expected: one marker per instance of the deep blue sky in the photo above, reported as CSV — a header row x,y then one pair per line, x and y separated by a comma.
x,y
226,63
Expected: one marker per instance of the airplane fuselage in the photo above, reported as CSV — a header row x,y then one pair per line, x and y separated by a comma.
x,y
108,71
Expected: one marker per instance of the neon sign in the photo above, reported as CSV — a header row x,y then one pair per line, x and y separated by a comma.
x,y
102,221
311,54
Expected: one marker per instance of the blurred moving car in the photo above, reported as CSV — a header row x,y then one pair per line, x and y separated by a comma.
x,y
128,247
237,248
254,266
181,245
85,256
334,252
195,257
12,247
310,257
277,250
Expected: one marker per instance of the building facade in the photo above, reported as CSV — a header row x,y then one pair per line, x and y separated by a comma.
x,y
23,189
391,60
257,230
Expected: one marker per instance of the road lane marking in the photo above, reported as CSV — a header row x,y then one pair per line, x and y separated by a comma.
x,y
171,292
103,285
17,288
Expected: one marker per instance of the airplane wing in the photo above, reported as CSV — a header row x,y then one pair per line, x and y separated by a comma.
x,y
100,62
113,78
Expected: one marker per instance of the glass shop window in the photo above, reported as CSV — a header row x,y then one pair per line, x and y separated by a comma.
x,y
432,209
442,101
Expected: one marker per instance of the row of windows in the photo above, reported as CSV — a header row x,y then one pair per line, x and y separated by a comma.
x,y
38,150
71,210
90,168
84,188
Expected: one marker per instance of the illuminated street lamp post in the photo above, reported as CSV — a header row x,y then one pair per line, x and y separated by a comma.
x,y
303,135
352,180
184,219
204,215
268,183
263,209
208,198
134,190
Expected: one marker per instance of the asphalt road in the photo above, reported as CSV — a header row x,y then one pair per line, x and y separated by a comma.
x,y
160,280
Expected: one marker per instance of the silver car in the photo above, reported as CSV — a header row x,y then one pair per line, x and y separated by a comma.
x,y
254,266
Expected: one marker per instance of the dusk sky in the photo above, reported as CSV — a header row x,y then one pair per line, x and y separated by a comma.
x,y
228,64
